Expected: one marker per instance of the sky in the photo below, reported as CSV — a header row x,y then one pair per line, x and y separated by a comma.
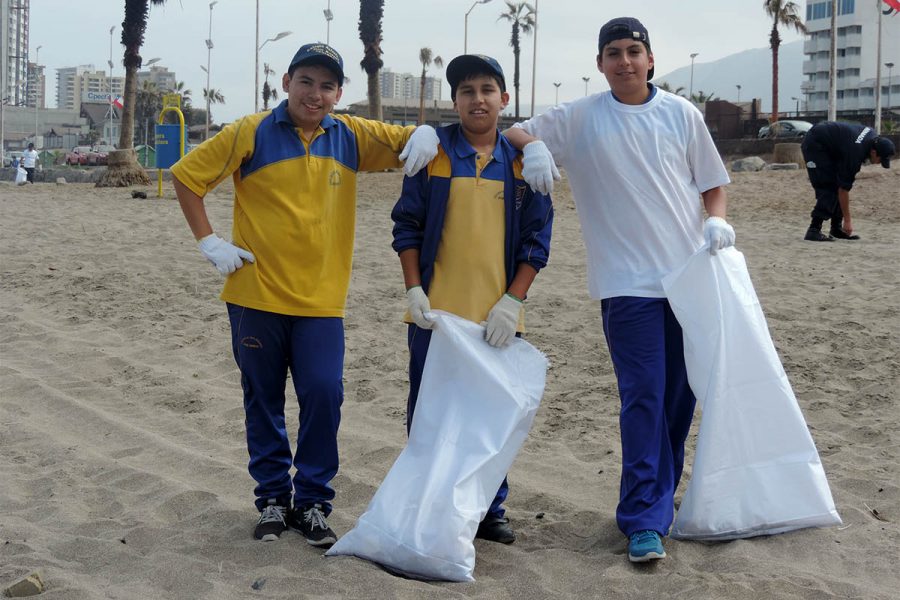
x,y
73,33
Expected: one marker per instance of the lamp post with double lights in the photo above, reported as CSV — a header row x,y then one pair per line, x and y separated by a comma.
x,y
466,24
328,17
209,47
691,89
34,86
150,62
277,37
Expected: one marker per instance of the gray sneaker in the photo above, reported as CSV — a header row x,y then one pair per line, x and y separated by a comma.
x,y
310,522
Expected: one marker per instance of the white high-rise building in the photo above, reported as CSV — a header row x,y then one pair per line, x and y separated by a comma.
x,y
14,20
857,38
36,93
84,83
407,85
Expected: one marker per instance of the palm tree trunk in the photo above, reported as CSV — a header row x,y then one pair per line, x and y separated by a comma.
x,y
516,51
374,93
775,41
422,98
123,169
126,132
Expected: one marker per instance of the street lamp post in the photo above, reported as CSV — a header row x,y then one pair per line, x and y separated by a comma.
x,y
209,47
691,89
37,56
534,55
260,47
738,86
328,17
796,106
466,24
890,67
150,62
556,84
585,80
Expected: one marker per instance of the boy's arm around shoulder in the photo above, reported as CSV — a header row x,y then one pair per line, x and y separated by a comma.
x,y
384,146
535,227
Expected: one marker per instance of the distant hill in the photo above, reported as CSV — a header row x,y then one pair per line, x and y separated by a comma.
x,y
752,69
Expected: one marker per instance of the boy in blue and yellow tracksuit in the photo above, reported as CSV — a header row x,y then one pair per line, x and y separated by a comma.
x,y
471,235
294,171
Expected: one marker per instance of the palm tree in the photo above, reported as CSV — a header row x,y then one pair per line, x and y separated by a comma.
x,y
426,60
700,97
521,16
370,14
214,96
783,12
664,85
186,108
148,105
268,92
123,169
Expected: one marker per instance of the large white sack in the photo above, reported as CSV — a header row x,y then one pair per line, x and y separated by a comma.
x,y
756,470
21,176
475,407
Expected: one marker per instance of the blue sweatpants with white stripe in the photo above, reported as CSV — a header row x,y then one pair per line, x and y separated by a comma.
x,y
419,340
646,347
266,345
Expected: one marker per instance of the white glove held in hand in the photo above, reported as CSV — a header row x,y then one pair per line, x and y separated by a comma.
x,y
502,321
419,306
421,148
538,169
225,256
718,234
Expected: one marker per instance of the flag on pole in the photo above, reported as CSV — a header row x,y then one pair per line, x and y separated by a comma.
x,y
118,102
894,4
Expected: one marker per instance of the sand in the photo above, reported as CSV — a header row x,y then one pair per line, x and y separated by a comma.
x,y
122,453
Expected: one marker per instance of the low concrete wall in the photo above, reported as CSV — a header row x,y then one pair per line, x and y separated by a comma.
x,y
74,174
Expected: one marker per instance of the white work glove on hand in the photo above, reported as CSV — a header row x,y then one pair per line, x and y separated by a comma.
x,y
502,321
718,234
538,169
421,148
419,306
224,255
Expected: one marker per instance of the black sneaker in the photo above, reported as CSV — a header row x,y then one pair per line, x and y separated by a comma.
x,y
496,529
816,235
271,522
843,235
310,522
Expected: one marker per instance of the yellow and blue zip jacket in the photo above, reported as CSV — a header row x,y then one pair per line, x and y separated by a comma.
x,y
294,203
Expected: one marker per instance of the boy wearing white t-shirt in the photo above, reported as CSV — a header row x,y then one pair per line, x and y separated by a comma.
x,y
638,159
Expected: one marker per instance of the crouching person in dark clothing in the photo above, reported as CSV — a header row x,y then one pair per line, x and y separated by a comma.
x,y
834,153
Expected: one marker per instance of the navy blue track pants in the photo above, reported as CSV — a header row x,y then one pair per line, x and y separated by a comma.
x,y
418,340
646,347
266,345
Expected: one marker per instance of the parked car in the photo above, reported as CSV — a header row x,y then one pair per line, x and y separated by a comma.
x,y
763,132
102,152
788,129
10,156
81,156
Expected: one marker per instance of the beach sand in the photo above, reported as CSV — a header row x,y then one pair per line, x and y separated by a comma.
x,y
122,453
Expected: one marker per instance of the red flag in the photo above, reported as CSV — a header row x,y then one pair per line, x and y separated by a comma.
x,y
895,4
118,102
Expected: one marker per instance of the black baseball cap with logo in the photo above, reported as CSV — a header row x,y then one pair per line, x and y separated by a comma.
x,y
319,54
622,28
884,148
464,65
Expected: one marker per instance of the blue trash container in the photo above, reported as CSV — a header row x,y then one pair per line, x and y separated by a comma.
x,y
167,148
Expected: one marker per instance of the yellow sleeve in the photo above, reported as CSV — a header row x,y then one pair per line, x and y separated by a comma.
x,y
204,167
379,143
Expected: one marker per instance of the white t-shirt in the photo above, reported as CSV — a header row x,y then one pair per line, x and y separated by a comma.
x,y
28,158
637,173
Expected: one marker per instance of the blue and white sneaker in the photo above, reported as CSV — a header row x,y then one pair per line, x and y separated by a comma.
x,y
645,546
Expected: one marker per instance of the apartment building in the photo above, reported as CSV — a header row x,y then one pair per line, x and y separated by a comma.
x,y
856,54
36,93
407,85
14,20
161,77
84,83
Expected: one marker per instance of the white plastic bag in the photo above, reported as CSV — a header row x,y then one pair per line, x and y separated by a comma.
x,y
475,407
21,176
756,470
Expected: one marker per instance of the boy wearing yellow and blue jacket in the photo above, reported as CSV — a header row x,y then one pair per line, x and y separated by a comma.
x,y
288,269
471,234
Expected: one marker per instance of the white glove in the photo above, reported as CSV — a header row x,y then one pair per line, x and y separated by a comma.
x,y
419,307
718,234
538,168
421,148
502,321
224,255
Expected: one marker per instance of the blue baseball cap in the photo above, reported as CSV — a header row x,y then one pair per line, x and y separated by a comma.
x,y
319,54
622,28
465,64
